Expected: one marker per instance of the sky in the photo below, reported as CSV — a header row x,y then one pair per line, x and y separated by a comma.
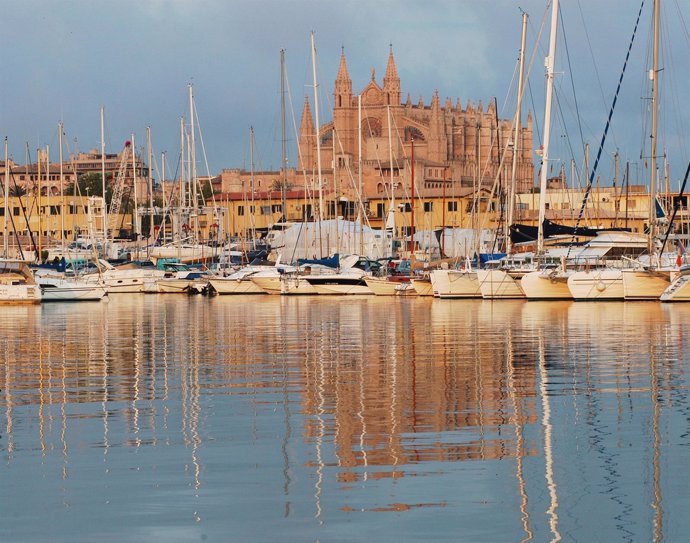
x,y
64,59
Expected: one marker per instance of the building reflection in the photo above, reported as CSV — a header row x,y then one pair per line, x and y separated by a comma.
x,y
374,387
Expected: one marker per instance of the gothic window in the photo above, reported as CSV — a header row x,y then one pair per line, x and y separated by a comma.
x,y
413,133
327,137
371,128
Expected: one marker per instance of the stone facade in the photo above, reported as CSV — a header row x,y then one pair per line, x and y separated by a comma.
x,y
454,148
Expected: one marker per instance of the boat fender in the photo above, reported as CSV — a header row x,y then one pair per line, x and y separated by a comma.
x,y
601,287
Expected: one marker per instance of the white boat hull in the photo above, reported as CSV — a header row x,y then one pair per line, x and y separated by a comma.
x,y
341,289
678,290
423,287
235,286
382,286
61,290
597,284
498,284
455,284
546,285
645,284
20,294
179,286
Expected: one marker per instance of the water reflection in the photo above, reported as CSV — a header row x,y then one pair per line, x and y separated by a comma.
x,y
523,421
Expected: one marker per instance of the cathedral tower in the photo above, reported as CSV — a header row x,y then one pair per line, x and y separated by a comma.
x,y
391,82
307,139
342,111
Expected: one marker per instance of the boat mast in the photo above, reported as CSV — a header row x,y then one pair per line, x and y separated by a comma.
x,y
104,209
359,174
252,209
283,140
150,160
318,141
412,245
391,211
550,61
655,108
40,218
62,192
135,218
6,241
192,157
516,133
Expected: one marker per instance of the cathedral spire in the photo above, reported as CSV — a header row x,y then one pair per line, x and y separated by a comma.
x,y
307,124
391,81
343,84
307,139
391,70
343,74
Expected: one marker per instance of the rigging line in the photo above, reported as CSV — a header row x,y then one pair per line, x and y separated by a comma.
x,y
594,63
203,152
572,79
606,129
300,158
676,206
683,25
534,52
675,98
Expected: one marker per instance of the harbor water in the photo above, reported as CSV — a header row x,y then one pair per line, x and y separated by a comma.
x,y
269,418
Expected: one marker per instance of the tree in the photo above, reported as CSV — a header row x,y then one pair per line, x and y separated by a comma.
x,y
17,191
278,185
90,184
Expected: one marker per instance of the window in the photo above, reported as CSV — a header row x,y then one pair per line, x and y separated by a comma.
x,y
240,211
428,207
265,210
565,205
407,208
277,208
15,211
380,210
452,206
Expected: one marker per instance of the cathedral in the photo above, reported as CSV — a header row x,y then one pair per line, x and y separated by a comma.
x,y
454,148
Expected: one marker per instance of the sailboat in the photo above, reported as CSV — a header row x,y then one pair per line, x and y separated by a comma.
x,y
187,248
17,283
640,282
650,282
548,282
55,284
502,279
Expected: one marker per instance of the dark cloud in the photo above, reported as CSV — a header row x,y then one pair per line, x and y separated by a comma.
x,y
63,60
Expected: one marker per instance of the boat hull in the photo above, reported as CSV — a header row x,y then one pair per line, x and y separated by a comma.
x,y
678,290
645,284
20,294
498,285
423,287
546,285
456,284
235,286
599,285
381,286
76,292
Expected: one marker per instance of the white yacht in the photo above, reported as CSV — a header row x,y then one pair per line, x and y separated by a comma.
x,y
602,278
17,284
56,288
455,283
126,278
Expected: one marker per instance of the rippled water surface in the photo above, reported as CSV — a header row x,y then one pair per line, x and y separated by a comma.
x,y
174,418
